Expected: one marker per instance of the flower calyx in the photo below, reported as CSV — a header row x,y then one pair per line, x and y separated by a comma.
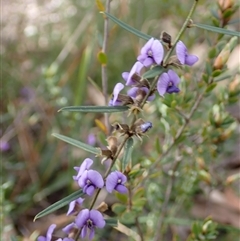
x,y
111,150
139,128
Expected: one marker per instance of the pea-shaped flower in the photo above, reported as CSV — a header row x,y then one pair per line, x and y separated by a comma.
x,y
49,235
151,53
115,181
183,56
89,181
136,69
89,219
168,83
86,164
74,204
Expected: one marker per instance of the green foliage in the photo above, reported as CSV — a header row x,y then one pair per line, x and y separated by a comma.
x,y
57,61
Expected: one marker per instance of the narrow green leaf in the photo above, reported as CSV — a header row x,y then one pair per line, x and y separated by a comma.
x,y
210,87
95,109
216,29
80,85
128,28
111,222
59,204
127,152
77,143
155,71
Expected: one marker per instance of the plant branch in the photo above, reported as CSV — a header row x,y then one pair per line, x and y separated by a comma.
x,y
159,233
104,67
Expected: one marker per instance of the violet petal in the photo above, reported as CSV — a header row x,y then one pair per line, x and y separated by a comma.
x,y
173,77
82,218
111,181
162,84
158,51
181,51
121,188
97,218
96,178
118,87
191,60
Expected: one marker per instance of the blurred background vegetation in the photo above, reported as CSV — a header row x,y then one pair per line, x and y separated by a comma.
x,y
49,60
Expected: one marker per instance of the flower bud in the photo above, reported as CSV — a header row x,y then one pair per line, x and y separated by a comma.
x,y
205,176
222,58
206,225
232,178
225,4
201,163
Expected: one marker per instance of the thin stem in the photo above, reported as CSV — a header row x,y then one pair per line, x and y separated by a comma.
x,y
139,229
159,233
109,169
185,25
106,174
168,55
104,67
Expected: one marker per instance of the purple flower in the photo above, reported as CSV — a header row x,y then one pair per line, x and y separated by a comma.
x,y
72,205
27,93
114,101
127,76
69,228
146,126
151,53
49,234
91,140
183,56
87,163
65,239
89,181
89,219
4,145
115,181
168,82
135,91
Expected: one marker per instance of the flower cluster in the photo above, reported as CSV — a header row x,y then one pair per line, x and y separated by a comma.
x,y
88,220
152,54
89,180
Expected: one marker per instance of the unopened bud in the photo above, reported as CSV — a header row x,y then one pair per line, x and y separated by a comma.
x,y
205,176
225,4
222,58
206,225
201,163
232,178
233,86
166,38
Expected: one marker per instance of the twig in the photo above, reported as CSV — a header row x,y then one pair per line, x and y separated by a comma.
x,y
159,233
104,67
139,229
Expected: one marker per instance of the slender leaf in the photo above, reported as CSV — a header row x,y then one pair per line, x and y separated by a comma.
x,y
59,204
155,71
127,152
128,28
95,109
111,222
80,85
217,30
77,143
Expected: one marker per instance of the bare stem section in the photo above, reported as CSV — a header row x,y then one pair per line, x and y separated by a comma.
x,y
104,67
